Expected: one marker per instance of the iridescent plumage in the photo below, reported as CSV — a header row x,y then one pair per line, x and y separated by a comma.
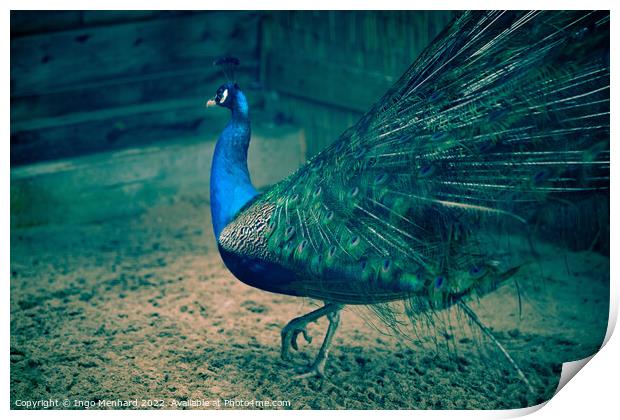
x,y
435,195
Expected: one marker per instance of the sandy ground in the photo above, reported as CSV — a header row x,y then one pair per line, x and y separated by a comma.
x,y
142,308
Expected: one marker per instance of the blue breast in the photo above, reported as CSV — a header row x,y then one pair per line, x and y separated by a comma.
x,y
261,274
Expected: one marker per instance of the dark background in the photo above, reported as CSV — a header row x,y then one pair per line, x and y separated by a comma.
x,y
90,81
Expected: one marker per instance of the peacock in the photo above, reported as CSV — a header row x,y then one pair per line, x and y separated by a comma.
x,y
437,194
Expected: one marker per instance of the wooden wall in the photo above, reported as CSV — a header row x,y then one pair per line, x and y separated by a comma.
x,y
327,68
89,81
86,81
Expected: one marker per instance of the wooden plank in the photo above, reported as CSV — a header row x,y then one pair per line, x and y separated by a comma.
x,y
36,21
346,87
26,22
356,57
398,44
322,124
99,17
63,61
123,92
117,129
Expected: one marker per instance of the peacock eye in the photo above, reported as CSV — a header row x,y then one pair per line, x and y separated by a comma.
x,y
224,95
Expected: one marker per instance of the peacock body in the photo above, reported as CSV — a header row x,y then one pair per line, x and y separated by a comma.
x,y
438,193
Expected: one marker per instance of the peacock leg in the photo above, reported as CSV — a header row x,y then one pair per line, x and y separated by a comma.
x,y
318,367
298,326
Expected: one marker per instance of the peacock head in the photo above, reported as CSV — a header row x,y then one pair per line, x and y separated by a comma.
x,y
226,96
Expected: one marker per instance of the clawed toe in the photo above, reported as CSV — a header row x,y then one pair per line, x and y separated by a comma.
x,y
317,370
291,332
289,338
296,333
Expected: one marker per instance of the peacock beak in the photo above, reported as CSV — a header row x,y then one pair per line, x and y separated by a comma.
x,y
211,102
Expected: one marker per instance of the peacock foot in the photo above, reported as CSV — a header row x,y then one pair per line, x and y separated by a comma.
x,y
289,336
298,326
316,370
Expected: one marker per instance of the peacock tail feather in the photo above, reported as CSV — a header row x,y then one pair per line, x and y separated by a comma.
x,y
437,193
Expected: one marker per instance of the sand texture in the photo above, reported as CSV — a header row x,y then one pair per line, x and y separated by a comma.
x,y
141,307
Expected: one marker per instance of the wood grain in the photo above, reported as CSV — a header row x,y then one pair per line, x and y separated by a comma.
x,y
329,67
88,81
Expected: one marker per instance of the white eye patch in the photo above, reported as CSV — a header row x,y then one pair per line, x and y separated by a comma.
x,y
224,96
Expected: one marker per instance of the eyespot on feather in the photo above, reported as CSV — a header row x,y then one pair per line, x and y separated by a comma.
x,y
289,232
301,251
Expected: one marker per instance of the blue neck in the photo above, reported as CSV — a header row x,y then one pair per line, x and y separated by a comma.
x,y
231,187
